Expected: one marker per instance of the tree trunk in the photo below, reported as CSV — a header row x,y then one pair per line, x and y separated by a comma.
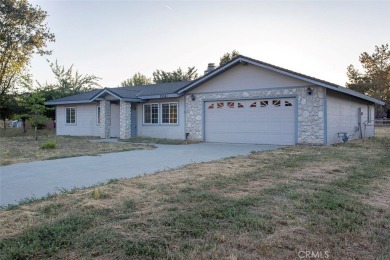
x,y
36,134
24,125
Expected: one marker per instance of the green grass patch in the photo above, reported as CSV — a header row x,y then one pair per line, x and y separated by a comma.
x,y
49,144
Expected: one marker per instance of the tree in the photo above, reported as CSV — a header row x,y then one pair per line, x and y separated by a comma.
x,y
23,32
69,82
8,106
375,79
137,79
228,57
160,76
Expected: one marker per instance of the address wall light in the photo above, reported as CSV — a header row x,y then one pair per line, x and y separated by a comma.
x,y
309,91
193,97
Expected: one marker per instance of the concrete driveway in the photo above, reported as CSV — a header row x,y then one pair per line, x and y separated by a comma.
x,y
37,179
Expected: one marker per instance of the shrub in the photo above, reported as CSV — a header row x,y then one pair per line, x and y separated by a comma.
x,y
49,144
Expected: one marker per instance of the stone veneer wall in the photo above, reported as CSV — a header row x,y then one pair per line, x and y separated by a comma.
x,y
105,118
310,111
125,120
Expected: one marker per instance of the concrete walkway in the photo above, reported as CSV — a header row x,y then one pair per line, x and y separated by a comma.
x,y
37,179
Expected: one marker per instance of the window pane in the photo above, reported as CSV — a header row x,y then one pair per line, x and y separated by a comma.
x,y
147,114
98,115
70,115
165,113
173,113
154,113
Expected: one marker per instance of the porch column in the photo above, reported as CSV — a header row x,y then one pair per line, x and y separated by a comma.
x,y
125,119
105,118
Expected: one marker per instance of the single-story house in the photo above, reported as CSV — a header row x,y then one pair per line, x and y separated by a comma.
x,y
243,101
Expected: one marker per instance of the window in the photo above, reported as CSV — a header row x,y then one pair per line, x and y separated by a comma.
x,y
169,113
230,104
287,103
220,105
263,103
98,115
70,115
211,106
150,113
239,105
254,104
276,102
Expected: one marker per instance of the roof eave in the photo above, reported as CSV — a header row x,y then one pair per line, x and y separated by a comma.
x,y
67,102
174,95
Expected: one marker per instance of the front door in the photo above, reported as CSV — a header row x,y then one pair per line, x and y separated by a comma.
x,y
133,120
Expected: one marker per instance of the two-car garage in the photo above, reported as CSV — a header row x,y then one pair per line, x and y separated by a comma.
x,y
255,121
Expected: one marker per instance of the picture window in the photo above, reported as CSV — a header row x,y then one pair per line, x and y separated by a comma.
x,y
169,113
150,113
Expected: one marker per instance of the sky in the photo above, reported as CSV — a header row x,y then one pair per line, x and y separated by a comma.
x,y
116,39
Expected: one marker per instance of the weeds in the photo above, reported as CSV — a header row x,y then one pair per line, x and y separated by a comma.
x,y
49,144
265,205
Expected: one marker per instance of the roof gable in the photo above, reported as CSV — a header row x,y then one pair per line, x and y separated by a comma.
x,y
246,60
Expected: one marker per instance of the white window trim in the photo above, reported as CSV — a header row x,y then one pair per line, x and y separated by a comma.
x,y
75,115
151,119
169,112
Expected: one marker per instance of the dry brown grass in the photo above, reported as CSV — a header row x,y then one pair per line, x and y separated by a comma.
x,y
382,131
17,147
298,198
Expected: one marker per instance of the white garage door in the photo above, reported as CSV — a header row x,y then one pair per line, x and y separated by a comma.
x,y
261,121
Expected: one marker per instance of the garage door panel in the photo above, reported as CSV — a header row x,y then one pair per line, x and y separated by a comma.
x,y
266,125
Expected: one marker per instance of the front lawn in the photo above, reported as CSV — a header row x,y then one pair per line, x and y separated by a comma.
x,y
17,147
329,200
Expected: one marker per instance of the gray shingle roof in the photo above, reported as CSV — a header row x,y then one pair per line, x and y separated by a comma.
x,y
135,92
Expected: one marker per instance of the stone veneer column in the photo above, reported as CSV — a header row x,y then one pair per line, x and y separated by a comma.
x,y
105,118
125,119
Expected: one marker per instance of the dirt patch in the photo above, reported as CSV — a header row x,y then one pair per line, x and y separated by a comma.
x,y
24,148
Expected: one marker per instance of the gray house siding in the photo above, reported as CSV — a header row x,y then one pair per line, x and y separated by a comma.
x,y
86,120
342,116
160,130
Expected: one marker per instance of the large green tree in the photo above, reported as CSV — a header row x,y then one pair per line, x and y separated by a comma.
x,y
228,57
23,32
136,80
160,76
375,78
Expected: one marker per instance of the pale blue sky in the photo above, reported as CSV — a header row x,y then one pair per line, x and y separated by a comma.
x,y
115,39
